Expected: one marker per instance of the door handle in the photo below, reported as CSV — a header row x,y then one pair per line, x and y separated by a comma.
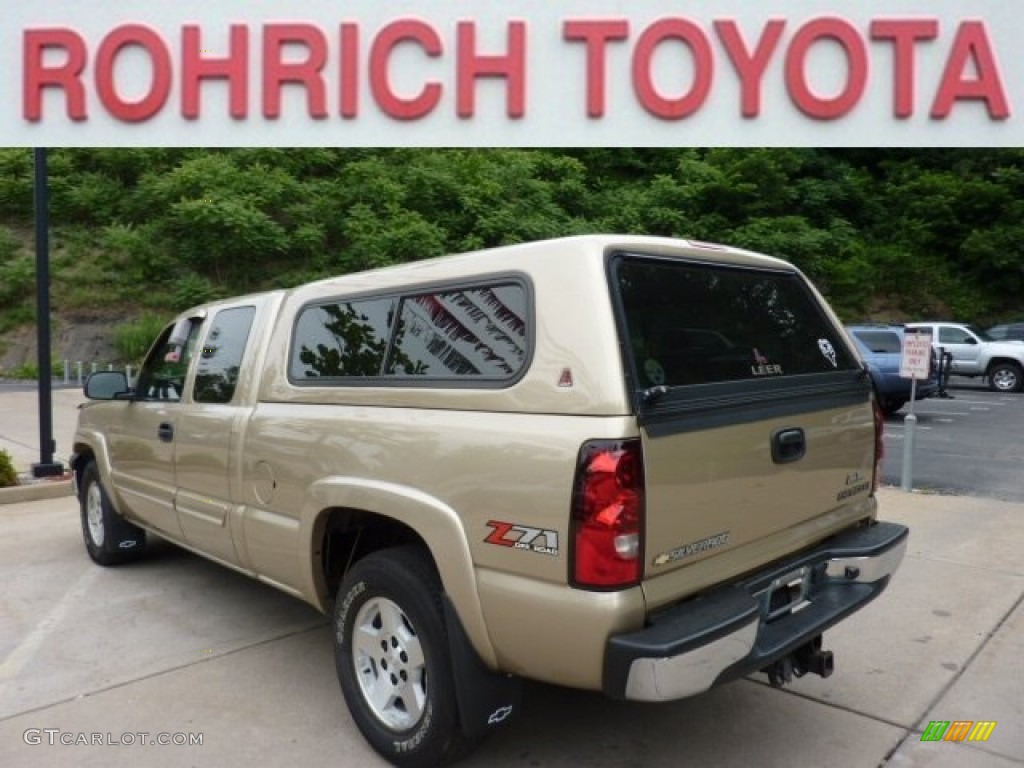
x,y
788,445
165,432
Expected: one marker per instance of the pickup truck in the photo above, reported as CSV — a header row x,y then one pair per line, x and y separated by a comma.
x,y
975,353
633,465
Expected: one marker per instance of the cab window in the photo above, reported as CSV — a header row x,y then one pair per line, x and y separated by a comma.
x,y
163,373
220,359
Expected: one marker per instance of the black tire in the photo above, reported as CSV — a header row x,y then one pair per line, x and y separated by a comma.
x,y
891,405
109,538
1005,377
390,642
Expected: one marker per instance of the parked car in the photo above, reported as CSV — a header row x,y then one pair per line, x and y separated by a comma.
x,y
1007,332
881,346
975,353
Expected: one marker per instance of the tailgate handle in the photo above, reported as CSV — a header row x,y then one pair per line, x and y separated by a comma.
x,y
788,445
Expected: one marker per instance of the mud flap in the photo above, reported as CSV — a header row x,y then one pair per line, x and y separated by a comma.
x,y
487,699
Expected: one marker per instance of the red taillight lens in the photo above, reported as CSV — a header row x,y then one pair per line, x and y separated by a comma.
x,y
608,514
879,445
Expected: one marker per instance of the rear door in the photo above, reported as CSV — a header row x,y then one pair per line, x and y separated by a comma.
x,y
755,416
208,433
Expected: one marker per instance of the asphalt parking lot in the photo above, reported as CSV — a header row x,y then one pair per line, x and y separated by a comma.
x,y
968,443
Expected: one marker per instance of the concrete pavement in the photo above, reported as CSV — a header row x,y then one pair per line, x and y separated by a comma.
x,y
177,645
19,436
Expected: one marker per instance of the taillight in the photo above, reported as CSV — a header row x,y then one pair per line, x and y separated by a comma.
x,y
879,444
608,515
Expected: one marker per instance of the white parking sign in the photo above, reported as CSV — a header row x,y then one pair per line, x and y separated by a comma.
x,y
916,362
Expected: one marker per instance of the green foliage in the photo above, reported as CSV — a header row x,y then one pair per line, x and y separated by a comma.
x,y
132,340
8,476
933,232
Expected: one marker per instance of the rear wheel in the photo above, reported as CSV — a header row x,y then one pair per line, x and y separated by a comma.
x,y
109,538
391,652
1005,377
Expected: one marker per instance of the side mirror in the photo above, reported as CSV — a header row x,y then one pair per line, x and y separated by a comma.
x,y
107,385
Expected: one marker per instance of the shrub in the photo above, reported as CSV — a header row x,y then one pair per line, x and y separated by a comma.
x,y
8,477
134,339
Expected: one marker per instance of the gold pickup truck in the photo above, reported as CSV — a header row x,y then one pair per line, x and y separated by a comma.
x,y
634,465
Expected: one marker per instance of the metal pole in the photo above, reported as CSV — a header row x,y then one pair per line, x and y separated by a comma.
x,y
909,425
46,467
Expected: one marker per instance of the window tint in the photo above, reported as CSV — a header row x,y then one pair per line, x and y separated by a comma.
x,y
221,356
474,332
953,336
341,339
696,324
162,376
881,341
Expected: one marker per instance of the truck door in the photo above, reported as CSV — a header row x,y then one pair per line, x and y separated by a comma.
x,y
208,434
142,445
963,346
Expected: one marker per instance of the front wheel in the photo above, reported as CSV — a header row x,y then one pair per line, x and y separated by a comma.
x,y
109,538
391,653
1005,377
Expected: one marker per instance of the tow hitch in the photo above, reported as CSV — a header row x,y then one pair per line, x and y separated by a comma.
x,y
806,658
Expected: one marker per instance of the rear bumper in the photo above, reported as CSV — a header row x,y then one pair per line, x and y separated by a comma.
x,y
736,630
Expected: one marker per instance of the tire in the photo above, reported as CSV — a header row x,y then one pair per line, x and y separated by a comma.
x,y
109,538
391,653
891,405
1005,377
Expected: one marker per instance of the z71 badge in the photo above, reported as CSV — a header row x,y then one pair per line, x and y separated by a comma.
x,y
537,540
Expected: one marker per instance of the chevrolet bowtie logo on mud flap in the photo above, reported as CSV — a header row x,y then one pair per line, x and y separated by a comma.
x,y
538,540
693,548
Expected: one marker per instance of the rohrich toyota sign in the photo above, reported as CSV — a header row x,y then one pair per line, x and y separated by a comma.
x,y
527,73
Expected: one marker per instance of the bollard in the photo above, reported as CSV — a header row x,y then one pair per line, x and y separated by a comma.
x,y
128,373
94,366
907,478
78,365
67,371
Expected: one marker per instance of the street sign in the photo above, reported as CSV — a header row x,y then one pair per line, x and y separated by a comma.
x,y
916,362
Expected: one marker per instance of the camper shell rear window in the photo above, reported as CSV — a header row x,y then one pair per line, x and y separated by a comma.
x,y
689,323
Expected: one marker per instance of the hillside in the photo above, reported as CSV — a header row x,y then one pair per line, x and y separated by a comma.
x,y
886,234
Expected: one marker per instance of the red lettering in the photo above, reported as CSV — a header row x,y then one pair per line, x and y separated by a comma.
x,y
596,35
750,66
498,534
160,87
904,35
971,46
348,101
838,31
66,76
471,65
380,85
306,72
643,79
234,68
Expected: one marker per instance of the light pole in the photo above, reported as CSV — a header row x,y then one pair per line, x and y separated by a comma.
x,y
46,467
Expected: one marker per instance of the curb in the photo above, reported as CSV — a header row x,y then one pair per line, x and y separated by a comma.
x,y
54,489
